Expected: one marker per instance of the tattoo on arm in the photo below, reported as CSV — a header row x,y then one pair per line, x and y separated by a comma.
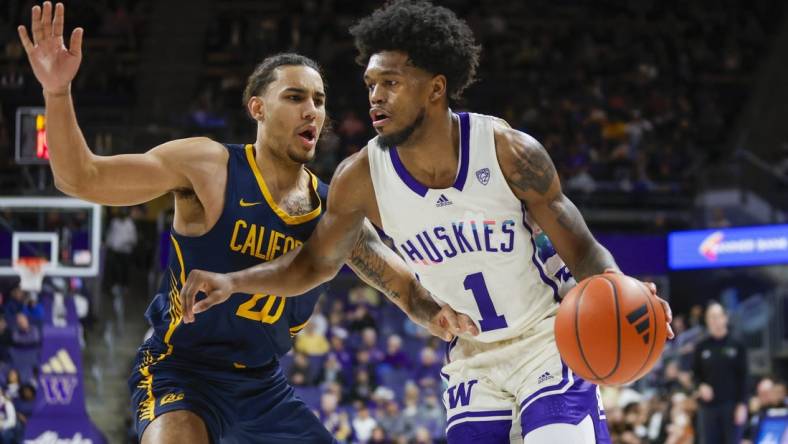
x,y
533,170
422,306
371,266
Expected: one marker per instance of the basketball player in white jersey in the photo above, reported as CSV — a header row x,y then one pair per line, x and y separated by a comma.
x,y
465,199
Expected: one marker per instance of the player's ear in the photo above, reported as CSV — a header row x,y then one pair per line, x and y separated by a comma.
x,y
256,108
437,87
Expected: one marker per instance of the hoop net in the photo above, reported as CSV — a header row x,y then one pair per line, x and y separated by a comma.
x,y
31,272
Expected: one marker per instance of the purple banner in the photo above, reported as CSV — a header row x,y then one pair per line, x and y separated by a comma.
x,y
60,415
637,254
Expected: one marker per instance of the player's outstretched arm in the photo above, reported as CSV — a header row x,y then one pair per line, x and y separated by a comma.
x,y
300,270
111,180
378,265
533,179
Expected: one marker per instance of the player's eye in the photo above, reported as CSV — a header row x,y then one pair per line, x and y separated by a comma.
x,y
391,83
294,98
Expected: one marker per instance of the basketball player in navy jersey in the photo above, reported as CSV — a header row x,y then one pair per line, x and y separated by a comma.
x,y
217,378
467,201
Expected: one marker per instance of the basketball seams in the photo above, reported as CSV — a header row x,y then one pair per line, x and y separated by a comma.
x,y
618,327
577,329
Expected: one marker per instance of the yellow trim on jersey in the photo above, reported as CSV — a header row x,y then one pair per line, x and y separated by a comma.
x,y
288,219
147,406
180,259
237,365
175,310
297,328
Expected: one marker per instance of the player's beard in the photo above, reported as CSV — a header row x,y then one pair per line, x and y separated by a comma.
x,y
398,138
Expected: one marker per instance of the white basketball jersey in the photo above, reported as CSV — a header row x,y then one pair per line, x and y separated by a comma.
x,y
472,245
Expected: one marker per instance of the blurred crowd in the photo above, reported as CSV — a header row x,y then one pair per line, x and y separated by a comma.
x,y
626,96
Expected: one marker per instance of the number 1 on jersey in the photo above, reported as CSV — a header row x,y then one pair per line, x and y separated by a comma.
x,y
490,320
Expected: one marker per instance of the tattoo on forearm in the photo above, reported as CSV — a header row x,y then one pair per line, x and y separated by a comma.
x,y
371,266
422,306
533,169
566,214
595,261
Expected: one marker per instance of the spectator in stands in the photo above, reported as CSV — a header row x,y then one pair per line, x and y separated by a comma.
x,y
331,371
378,436
392,421
311,342
369,342
395,356
16,302
432,415
360,318
362,387
5,340
7,420
720,369
422,436
363,424
120,243
781,393
300,374
25,403
765,399
34,309
335,421
24,334
12,384
428,369
342,355
364,362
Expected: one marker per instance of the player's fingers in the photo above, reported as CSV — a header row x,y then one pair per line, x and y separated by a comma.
x,y
57,23
25,39
668,311
75,45
467,325
36,26
671,335
46,19
212,298
652,287
186,297
612,270
452,325
187,302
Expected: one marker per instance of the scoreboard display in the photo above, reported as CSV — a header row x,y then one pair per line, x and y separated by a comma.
x,y
31,139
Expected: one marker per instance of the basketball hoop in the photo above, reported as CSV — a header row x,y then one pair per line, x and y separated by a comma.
x,y
31,272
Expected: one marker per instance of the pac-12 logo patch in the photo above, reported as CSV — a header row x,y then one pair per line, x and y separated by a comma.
x,y
483,175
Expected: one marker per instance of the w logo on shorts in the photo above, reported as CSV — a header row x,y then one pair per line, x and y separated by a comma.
x,y
459,394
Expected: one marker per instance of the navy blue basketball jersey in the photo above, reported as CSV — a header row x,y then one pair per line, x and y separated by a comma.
x,y
247,330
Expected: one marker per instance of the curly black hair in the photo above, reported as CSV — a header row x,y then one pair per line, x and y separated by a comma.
x,y
434,38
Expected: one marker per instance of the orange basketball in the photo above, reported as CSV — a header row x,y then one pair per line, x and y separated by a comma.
x,y
610,329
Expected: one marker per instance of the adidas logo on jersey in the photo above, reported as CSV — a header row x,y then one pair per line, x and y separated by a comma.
x,y
60,363
443,201
546,376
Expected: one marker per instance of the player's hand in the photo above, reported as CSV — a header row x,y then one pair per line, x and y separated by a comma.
x,y
53,64
216,286
705,392
653,288
447,323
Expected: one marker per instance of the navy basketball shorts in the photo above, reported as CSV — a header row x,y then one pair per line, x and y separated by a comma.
x,y
238,405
